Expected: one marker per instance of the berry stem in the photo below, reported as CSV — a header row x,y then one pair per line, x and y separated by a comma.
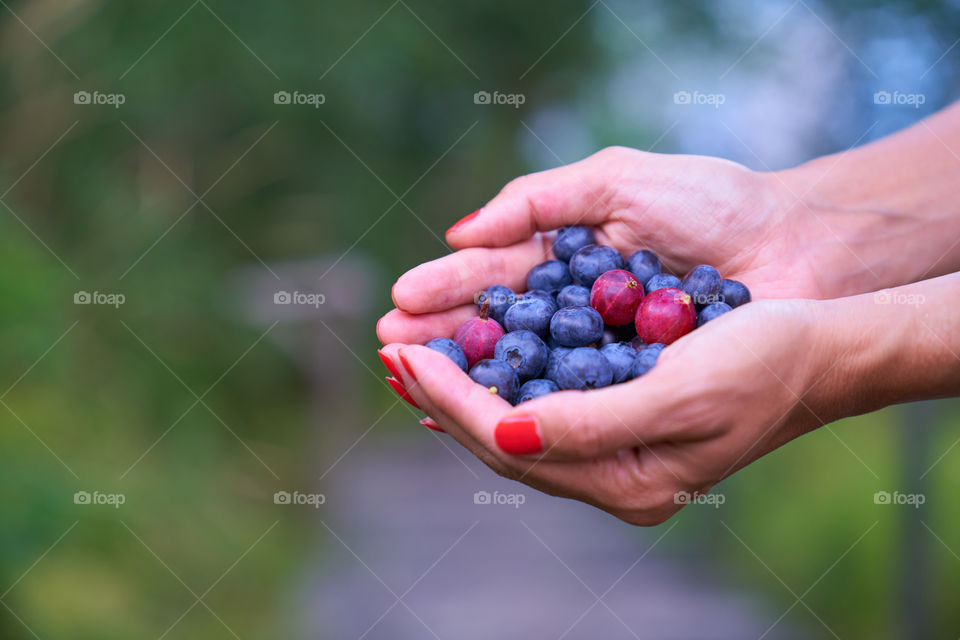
x,y
485,309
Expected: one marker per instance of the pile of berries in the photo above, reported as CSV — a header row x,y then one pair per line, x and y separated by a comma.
x,y
588,319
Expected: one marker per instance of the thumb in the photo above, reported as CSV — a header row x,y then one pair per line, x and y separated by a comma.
x,y
577,193
578,425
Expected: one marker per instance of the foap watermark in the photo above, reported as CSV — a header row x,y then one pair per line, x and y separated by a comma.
x,y
912,499
298,98
299,298
299,499
99,498
899,99
697,98
511,499
99,297
893,297
512,99
496,298
97,98
713,499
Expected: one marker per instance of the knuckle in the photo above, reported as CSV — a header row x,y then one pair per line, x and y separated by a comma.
x,y
615,152
584,438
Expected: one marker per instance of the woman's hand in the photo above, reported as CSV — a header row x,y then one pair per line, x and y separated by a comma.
x,y
689,210
719,398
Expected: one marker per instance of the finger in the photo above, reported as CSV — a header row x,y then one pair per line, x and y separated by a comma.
x,y
456,278
577,193
617,483
443,386
576,425
409,328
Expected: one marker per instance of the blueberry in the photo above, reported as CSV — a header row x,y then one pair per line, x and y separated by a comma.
x,y
535,388
524,351
498,377
637,343
712,311
621,356
661,281
551,275
592,261
569,240
532,314
501,298
703,283
576,326
646,359
644,264
583,368
573,295
550,372
546,296
451,349
734,293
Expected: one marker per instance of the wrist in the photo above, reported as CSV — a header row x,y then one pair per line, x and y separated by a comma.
x,y
853,240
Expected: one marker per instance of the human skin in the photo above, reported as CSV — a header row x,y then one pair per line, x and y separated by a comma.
x,y
813,347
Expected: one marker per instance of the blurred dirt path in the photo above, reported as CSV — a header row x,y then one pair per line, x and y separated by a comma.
x,y
428,559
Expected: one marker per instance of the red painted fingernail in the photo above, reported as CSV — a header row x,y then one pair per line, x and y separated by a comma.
x,y
388,363
396,386
430,424
464,220
406,365
518,435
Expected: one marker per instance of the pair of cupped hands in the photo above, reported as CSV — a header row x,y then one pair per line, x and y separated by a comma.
x,y
718,398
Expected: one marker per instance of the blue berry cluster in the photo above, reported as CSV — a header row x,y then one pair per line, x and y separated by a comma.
x,y
556,341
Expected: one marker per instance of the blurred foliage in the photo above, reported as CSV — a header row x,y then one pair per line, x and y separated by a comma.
x,y
116,201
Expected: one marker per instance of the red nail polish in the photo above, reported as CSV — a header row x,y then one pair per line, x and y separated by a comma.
x,y
464,220
518,435
406,365
430,424
388,363
396,386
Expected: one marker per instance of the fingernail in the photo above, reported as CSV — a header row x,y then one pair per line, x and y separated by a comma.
x,y
406,365
388,363
518,435
463,221
430,424
396,386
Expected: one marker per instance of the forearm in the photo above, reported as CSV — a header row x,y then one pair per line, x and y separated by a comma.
x,y
893,346
887,213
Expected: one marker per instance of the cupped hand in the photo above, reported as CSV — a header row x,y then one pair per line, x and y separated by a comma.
x,y
688,210
718,398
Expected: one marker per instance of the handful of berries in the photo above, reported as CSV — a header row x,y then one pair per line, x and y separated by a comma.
x,y
588,319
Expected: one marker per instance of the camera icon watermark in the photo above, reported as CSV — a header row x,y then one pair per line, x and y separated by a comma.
x,y
109,299
297,498
512,99
713,499
114,100
299,298
496,498
893,297
297,98
98,498
896,98
911,499
697,98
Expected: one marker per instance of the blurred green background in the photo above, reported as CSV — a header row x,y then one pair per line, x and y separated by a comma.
x,y
184,400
